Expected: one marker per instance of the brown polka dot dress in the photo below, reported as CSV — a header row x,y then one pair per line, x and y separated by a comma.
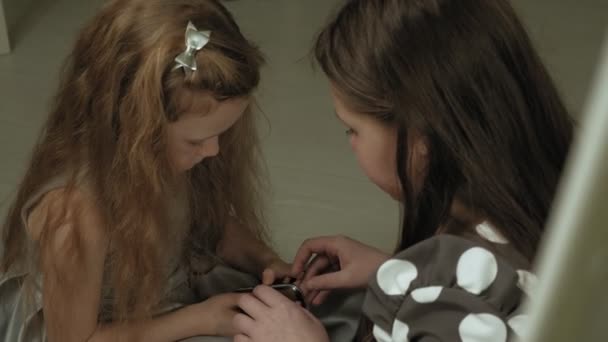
x,y
451,288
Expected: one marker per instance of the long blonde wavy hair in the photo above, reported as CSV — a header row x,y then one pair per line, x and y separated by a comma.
x,y
117,95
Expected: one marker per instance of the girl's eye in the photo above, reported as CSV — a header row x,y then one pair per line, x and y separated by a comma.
x,y
195,143
350,132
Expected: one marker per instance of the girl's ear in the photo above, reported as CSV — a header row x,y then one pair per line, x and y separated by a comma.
x,y
420,155
421,147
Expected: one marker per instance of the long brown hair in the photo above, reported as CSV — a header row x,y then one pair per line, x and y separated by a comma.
x,y
464,74
117,95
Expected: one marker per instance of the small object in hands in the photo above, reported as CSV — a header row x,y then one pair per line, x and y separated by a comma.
x,y
290,291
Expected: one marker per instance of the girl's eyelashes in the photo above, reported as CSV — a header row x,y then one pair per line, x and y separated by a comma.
x,y
195,142
350,132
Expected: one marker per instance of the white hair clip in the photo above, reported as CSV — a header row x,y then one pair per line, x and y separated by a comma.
x,y
195,41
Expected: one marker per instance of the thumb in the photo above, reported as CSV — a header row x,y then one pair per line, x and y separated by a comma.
x,y
268,277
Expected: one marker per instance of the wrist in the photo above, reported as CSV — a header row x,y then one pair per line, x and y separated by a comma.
x,y
200,321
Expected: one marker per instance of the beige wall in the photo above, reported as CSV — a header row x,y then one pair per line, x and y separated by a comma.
x,y
318,187
568,35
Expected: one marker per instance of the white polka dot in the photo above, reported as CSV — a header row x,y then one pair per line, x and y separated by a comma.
x,y
426,294
400,331
486,231
482,328
395,276
519,324
477,269
527,282
381,335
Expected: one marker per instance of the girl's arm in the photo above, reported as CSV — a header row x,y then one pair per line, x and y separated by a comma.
x,y
73,247
211,317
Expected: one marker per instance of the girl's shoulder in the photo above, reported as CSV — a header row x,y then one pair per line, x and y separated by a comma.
x,y
453,288
65,211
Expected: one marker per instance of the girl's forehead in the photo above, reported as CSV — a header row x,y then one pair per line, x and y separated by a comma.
x,y
211,109
215,121
194,102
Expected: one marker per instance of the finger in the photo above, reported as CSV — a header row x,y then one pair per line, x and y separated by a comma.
x,y
320,298
252,306
328,281
311,295
318,265
270,297
242,338
320,245
268,277
303,289
243,324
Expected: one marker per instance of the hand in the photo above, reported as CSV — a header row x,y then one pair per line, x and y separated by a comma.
x,y
218,312
276,269
271,317
340,262
319,264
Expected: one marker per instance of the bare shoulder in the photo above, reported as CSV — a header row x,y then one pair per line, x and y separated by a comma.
x,y
66,216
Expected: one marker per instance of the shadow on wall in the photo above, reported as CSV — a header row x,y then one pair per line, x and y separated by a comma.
x,y
14,15
4,41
